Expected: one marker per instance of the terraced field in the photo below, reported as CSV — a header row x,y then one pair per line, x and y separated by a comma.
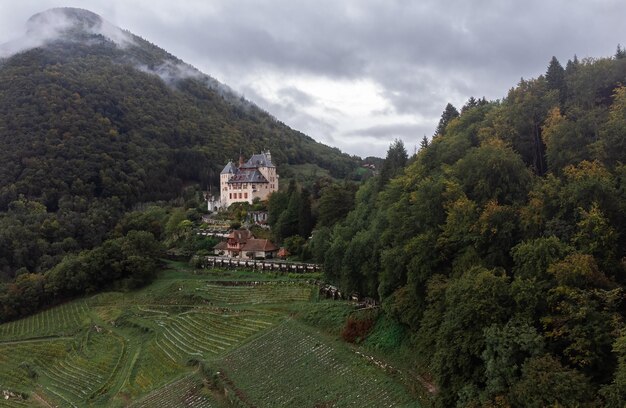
x,y
204,335
267,292
145,349
84,374
56,321
21,361
291,367
186,392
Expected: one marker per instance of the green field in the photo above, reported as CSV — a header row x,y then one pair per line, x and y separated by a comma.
x,y
210,339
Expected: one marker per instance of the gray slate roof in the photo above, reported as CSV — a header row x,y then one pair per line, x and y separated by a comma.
x,y
248,176
229,169
259,160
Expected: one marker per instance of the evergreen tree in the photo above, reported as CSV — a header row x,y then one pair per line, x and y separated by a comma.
x,y
305,217
449,113
555,77
394,162
471,103
424,143
572,65
276,204
287,224
335,203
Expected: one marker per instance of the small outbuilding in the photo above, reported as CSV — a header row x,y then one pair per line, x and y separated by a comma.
x,y
242,244
283,253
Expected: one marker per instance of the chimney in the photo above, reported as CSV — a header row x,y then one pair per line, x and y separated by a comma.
x,y
241,160
269,156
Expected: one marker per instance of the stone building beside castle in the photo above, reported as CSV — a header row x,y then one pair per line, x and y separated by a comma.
x,y
255,178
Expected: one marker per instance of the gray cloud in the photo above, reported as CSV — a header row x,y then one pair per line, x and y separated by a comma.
x,y
52,24
420,54
294,95
378,138
389,132
292,113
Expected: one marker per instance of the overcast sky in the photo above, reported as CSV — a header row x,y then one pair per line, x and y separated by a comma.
x,y
358,74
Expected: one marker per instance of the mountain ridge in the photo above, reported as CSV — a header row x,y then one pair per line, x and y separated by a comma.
x,y
74,25
89,129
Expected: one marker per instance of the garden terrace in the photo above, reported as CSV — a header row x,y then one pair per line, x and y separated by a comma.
x,y
52,322
145,347
187,392
291,366
255,293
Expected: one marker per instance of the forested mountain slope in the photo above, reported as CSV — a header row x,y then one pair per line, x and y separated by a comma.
x,y
95,120
501,246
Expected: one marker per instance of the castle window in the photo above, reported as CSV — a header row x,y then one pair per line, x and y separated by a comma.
x,y
245,195
230,195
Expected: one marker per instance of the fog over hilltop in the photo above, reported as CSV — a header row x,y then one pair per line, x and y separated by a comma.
x,y
59,23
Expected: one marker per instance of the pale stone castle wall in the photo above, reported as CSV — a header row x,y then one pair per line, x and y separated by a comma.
x,y
247,191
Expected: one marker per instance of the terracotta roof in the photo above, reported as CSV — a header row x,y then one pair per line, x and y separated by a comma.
x,y
282,252
258,245
221,245
241,235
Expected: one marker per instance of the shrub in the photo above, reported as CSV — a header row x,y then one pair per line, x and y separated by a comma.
x,y
356,329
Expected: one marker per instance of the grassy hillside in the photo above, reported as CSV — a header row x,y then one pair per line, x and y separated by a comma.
x,y
183,341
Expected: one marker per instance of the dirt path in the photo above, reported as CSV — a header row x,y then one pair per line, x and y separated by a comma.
x,y
40,400
387,367
430,386
127,369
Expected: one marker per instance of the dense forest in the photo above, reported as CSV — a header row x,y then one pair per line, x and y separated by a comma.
x,y
500,245
90,129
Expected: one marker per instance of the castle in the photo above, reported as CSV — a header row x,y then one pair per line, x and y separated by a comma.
x,y
255,178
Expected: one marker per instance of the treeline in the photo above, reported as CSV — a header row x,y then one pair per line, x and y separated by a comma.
x,y
127,262
295,212
501,245
129,256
